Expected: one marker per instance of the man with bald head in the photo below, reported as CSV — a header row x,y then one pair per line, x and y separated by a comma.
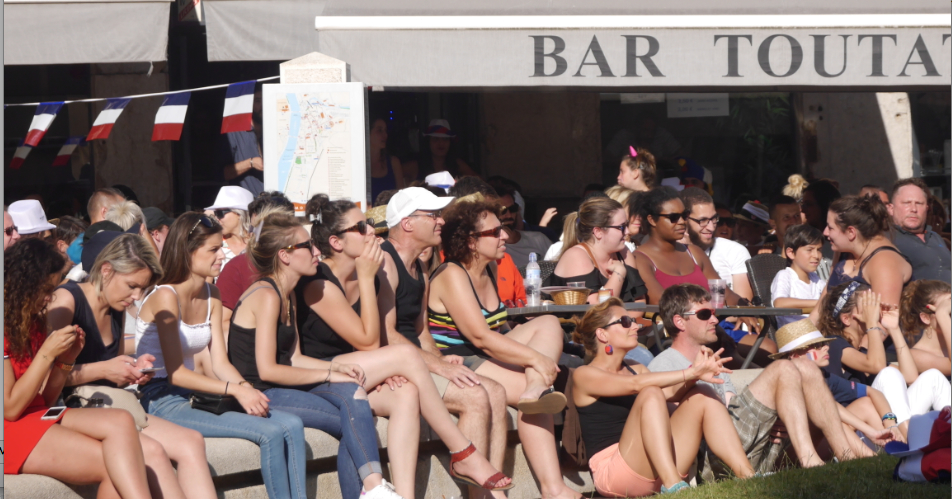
x,y
101,201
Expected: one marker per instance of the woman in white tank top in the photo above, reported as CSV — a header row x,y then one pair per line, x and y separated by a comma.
x,y
181,318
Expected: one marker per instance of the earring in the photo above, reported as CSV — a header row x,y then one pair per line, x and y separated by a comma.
x,y
609,350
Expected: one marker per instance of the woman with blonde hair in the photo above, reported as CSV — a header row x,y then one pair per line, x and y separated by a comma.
x,y
125,214
926,323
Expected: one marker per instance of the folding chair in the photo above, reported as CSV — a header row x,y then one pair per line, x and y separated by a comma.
x,y
761,271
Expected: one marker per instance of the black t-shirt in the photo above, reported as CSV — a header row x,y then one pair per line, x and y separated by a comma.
x,y
408,296
241,345
94,350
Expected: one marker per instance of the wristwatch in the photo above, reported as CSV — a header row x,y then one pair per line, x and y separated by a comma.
x,y
64,366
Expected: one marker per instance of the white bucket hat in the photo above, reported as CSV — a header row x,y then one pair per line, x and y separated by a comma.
x,y
444,180
411,199
232,197
29,217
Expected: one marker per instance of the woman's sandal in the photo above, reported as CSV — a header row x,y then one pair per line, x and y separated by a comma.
x,y
549,402
456,457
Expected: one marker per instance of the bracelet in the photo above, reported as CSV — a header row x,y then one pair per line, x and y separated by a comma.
x,y
328,378
891,416
875,327
684,377
226,387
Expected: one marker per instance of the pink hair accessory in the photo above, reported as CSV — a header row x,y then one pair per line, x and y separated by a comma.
x,y
634,153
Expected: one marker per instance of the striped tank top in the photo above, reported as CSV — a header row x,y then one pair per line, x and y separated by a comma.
x,y
443,327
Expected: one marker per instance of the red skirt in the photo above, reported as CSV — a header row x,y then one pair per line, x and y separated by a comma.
x,y
22,435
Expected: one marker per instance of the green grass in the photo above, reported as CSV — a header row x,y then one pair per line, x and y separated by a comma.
x,y
859,479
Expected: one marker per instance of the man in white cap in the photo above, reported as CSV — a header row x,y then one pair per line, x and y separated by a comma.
x,y
30,219
10,233
413,217
230,208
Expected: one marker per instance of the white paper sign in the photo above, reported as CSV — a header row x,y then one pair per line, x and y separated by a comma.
x,y
697,105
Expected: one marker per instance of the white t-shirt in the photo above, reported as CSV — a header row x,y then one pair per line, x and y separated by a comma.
x,y
531,242
787,284
728,258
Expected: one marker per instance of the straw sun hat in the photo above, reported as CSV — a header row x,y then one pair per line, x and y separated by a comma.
x,y
379,215
797,335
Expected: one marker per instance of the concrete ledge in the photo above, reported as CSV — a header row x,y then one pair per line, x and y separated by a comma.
x,y
235,466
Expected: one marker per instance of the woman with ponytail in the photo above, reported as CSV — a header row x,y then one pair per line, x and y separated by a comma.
x,y
926,324
339,322
636,448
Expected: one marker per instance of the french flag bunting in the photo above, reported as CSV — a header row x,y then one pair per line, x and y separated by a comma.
x,y
20,156
42,119
107,118
239,100
62,157
171,117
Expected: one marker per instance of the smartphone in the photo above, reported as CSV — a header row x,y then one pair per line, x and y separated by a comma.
x,y
53,413
150,370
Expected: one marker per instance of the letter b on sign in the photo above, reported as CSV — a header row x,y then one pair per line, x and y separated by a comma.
x,y
540,55
796,55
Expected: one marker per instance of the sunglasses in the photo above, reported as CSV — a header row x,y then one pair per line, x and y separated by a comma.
x,y
494,232
623,227
207,222
10,230
306,244
514,209
674,217
360,227
220,214
703,314
704,221
625,321
729,221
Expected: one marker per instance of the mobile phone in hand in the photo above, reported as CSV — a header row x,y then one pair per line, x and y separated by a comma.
x,y
149,370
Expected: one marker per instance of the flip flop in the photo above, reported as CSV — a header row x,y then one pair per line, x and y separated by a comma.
x,y
550,402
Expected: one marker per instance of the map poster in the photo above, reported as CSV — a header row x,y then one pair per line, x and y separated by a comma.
x,y
314,141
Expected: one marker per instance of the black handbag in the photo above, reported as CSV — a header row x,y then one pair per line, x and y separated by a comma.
x,y
215,403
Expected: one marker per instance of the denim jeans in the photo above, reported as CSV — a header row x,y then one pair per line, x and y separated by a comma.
x,y
280,435
640,354
333,409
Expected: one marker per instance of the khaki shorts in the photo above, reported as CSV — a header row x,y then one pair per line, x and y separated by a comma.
x,y
753,422
441,383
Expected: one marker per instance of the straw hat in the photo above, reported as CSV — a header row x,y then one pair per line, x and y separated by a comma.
x,y
379,216
797,335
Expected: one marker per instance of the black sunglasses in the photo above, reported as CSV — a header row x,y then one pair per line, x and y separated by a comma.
x,y
360,227
623,227
494,232
207,222
625,321
220,214
674,217
306,244
729,221
703,314
514,209
10,230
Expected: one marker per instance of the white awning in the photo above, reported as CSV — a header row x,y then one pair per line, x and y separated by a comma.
x,y
498,44
81,31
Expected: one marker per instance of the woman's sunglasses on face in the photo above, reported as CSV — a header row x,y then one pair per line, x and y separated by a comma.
x,y
703,314
306,244
494,232
625,321
674,217
360,227
220,214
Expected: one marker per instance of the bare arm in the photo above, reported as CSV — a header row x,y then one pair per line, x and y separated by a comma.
x,y
888,276
926,360
907,363
794,303
238,169
647,272
741,285
329,302
41,375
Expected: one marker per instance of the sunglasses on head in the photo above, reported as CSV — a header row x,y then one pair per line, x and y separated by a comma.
x,y
703,314
306,244
625,321
674,217
10,230
360,227
207,222
494,232
220,214
729,221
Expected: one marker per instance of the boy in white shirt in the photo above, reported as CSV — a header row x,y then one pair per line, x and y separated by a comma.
x,y
799,286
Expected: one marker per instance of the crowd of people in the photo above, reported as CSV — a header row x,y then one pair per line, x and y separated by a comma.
x,y
245,321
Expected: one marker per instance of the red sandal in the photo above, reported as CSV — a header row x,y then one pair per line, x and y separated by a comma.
x,y
456,457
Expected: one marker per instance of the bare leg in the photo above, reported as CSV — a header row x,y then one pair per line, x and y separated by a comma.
x,y
716,426
544,335
646,443
864,409
402,406
471,404
187,448
162,480
824,413
778,387
90,446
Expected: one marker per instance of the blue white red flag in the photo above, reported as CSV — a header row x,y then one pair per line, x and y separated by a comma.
x,y
107,118
239,101
62,157
171,117
42,119
19,156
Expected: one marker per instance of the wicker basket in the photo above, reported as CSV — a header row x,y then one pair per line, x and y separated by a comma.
x,y
571,296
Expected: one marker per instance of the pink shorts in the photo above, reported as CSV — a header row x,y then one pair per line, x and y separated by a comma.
x,y
614,478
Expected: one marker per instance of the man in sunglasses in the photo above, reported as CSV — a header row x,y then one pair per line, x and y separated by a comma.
x,y
413,217
795,392
521,242
10,233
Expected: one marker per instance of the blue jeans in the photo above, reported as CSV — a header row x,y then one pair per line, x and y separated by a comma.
x,y
640,355
280,435
333,409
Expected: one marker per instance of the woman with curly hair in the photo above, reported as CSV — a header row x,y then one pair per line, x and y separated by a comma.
x,y
339,322
81,446
467,318
926,323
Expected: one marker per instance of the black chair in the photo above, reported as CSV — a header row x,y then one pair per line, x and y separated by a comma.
x,y
761,271
546,268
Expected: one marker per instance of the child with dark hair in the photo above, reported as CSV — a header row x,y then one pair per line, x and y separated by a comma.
x,y
799,286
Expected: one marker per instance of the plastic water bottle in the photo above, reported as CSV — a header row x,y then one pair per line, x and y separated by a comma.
x,y
533,282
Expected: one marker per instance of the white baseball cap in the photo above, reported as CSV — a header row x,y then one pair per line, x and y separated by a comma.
x,y
232,197
29,217
411,199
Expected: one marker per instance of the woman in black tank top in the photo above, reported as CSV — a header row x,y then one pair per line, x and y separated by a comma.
x,y
612,395
352,258
125,268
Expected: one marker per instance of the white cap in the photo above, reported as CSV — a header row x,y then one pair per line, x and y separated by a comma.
x,y
444,180
411,199
232,197
29,217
